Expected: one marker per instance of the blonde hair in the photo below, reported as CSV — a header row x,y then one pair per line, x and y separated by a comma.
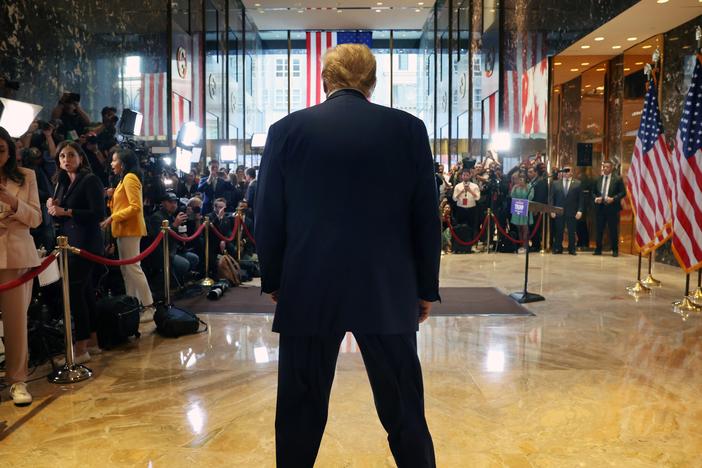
x,y
349,66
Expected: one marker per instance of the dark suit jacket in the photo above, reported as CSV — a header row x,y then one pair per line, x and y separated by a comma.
x,y
540,190
339,259
86,197
572,202
616,191
223,189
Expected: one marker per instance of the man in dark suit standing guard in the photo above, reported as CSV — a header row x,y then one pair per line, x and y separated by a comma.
x,y
334,261
608,193
566,193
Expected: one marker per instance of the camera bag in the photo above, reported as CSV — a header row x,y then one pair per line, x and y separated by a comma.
x,y
172,321
117,320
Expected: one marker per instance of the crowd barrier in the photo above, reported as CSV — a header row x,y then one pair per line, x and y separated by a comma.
x,y
485,224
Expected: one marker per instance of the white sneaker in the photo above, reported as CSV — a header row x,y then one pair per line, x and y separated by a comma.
x,y
147,315
19,394
521,250
82,359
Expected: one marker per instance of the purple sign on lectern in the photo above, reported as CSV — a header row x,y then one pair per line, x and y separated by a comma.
x,y
520,207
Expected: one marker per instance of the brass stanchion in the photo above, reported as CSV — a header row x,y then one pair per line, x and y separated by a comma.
x,y
638,287
240,230
696,297
70,372
650,281
487,230
166,263
685,306
207,281
544,219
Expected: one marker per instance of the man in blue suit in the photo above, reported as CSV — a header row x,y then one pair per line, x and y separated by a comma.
x,y
214,187
334,260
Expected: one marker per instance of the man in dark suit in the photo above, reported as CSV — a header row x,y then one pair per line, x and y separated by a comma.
x,y
608,193
566,193
336,262
538,184
213,187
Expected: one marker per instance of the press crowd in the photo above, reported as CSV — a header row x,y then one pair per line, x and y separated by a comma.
x,y
69,177
472,189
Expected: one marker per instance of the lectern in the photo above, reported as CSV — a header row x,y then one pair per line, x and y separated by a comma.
x,y
525,296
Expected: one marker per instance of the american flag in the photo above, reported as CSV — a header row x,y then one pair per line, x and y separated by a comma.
x,y
317,44
687,167
181,112
490,112
198,89
154,105
650,178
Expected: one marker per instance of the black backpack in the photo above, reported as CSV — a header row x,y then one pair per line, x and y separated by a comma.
x,y
173,322
117,320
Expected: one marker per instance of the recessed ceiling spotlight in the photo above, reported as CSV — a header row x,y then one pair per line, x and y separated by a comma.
x,y
638,63
557,63
339,11
600,38
378,10
585,46
647,47
379,3
574,69
422,3
631,39
584,64
661,1
300,11
616,47
601,69
417,10
588,86
627,69
600,88
257,4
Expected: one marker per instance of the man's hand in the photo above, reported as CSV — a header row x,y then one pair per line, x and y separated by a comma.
x,y
274,296
424,310
598,200
578,215
609,200
180,219
553,215
106,223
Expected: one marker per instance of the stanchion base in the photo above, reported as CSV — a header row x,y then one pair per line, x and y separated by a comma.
x,y
696,297
207,282
524,297
687,305
639,288
70,374
650,281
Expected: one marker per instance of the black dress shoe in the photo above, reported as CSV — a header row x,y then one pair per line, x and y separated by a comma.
x,y
572,253
615,254
557,252
597,252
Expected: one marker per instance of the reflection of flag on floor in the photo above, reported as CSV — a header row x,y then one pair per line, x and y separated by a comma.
x,y
687,169
650,178
154,104
490,111
317,44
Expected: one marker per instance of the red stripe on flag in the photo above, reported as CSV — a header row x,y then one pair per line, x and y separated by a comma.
x,y
309,64
318,59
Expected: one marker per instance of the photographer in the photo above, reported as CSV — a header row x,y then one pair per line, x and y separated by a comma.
x,y
107,130
43,139
466,195
214,186
73,118
96,158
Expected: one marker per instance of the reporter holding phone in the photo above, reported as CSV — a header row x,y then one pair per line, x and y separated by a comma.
x,y
19,211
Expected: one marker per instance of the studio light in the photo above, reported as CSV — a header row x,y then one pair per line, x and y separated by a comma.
x,y
168,160
258,140
183,159
130,122
227,153
189,135
17,116
197,153
501,141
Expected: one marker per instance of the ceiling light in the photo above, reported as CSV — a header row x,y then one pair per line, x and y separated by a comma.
x,y
422,3
587,85
557,63
585,46
261,11
379,3
339,11
378,11
257,4
631,39
627,69
300,11
417,10
600,88
616,47
601,69
574,69
638,63
600,38
584,64
661,1
647,47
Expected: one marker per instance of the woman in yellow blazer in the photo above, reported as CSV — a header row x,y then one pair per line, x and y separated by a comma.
x,y
128,226
19,211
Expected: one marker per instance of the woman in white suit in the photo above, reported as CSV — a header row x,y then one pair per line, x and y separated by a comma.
x,y
19,211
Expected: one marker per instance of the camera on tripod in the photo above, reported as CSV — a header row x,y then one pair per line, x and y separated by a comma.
x,y
217,290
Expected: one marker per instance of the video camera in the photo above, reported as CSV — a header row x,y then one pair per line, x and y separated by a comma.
x,y
217,290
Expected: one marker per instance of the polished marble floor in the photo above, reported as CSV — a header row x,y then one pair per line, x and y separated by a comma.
x,y
595,379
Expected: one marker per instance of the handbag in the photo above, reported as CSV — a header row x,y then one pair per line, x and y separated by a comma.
x,y
52,273
172,321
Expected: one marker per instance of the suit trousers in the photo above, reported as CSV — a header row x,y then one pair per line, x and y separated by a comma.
x,y
14,304
135,282
305,374
82,295
607,216
560,223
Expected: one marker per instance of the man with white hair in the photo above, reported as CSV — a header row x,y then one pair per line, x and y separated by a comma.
x,y
334,261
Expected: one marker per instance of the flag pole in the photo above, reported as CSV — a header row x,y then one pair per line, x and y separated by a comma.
x,y
650,281
685,306
639,287
696,297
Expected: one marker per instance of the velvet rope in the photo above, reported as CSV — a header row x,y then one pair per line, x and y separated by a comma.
x,y
30,275
127,261
462,242
234,231
517,241
248,233
180,238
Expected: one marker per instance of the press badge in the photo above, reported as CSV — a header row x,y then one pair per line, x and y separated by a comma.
x,y
465,202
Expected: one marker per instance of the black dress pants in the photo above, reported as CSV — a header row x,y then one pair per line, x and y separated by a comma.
x,y
305,374
607,216
560,223
82,296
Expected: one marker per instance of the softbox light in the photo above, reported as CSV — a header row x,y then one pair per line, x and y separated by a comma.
x,y
17,116
189,135
130,122
258,140
227,153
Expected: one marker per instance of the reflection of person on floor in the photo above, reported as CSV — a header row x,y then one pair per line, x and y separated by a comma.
x,y
374,275
566,193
